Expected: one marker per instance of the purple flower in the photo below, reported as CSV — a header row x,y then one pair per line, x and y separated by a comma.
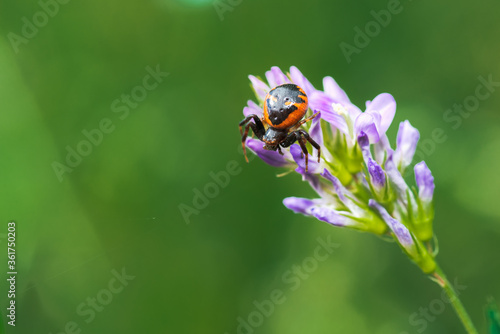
x,y
425,182
343,115
377,174
395,176
272,158
401,232
275,77
333,217
367,123
332,95
314,167
406,145
381,149
344,211
385,105
359,175
377,117
344,195
332,89
424,215
321,210
330,110
339,111
252,108
301,205
320,187
404,198
407,239
315,130
300,80
261,89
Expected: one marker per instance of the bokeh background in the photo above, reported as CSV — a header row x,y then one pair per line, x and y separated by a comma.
x,y
117,212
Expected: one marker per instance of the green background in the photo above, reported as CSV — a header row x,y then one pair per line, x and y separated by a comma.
x,y
119,207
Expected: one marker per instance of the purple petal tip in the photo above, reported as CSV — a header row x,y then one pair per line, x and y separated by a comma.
x,y
400,231
425,181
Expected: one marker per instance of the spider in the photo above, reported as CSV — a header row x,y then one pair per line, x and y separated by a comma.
x,y
284,107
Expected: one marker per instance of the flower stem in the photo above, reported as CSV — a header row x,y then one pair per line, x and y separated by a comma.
x,y
440,278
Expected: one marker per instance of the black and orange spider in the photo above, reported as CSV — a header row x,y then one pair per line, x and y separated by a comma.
x,y
284,107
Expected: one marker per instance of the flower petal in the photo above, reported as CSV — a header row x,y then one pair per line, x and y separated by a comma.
x,y
340,190
332,89
272,158
353,110
425,182
252,108
406,144
300,80
344,195
368,122
332,217
381,148
313,166
260,88
317,185
276,77
320,210
316,133
386,106
315,130
319,101
299,205
395,176
338,95
377,175
364,143
400,231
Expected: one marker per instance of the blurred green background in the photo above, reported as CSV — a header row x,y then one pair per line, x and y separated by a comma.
x,y
117,212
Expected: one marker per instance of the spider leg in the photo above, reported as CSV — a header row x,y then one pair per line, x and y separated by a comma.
x,y
301,136
302,143
279,150
313,143
292,138
257,127
305,120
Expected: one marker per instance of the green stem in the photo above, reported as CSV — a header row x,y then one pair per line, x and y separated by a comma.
x,y
441,279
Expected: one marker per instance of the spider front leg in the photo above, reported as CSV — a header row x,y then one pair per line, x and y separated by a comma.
x,y
279,150
305,120
301,136
257,127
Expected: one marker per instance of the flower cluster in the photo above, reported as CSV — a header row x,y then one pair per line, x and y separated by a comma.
x,y
359,177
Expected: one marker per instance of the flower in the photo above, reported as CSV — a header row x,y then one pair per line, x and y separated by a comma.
x,y
406,240
272,158
425,182
336,207
424,215
359,178
377,178
406,145
321,210
341,113
403,235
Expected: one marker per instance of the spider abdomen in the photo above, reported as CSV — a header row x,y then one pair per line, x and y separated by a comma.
x,y
284,106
